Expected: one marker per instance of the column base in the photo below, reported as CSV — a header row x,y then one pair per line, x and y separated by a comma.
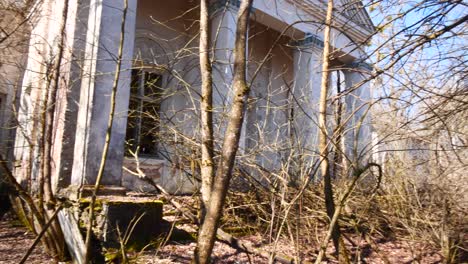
x,y
105,190
73,192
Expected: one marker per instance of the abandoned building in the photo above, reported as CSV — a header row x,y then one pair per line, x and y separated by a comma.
x,y
156,123
157,102
157,98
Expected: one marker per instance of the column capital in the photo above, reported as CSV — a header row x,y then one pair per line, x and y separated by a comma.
x,y
310,40
361,65
217,5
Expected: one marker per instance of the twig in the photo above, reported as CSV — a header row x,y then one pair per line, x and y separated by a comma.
x,y
341,204
221,234
39,236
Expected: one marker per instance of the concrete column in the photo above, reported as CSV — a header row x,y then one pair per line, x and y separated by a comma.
x,y
357,136
223,35
45,42
306,90
44,46
102,43
68,93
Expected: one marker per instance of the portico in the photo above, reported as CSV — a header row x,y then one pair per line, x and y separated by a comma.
x,y
160,48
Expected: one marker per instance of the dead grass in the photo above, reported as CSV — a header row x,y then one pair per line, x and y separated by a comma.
x,y
386,227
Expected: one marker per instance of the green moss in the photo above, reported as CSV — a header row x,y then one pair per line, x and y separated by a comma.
x,y
22,219
82,225
133,202
111,255
136,246
287,258
85,203
171,213
238,231
19,210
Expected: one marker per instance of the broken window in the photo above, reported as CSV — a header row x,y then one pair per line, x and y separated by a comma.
x,y
143,123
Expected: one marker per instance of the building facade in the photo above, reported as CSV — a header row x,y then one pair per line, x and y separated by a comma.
x,y
156,123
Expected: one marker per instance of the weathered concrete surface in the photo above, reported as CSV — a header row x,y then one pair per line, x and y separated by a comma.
x,y
103,38
92,39
33,91
268,109
114,215
72,233
13,52
173,180
143,215
357,104
68,94
306,90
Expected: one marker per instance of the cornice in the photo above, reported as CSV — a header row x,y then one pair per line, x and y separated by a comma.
x,y
317,10
309,40
361,65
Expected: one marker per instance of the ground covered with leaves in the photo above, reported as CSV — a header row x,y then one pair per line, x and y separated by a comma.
x,y
379,251
15,239
176,245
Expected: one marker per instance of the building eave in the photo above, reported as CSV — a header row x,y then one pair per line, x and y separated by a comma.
x,y
317,9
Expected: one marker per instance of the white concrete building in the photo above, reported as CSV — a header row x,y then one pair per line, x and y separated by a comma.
x,y
158,90
13,48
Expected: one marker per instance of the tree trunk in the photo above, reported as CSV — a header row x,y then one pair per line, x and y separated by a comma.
x,y
207,232
322,122
207,164
47,130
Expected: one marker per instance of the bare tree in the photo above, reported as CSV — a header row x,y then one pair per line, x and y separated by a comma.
x,y
207,147
36,207
419,124
207,233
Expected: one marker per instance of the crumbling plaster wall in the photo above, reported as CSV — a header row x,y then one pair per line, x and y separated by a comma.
x,y
13,52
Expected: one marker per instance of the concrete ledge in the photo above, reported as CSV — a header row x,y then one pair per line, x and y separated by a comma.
x,y
174,180
87,190
137,219
72,192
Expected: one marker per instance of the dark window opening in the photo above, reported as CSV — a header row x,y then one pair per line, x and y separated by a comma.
x,y
143,115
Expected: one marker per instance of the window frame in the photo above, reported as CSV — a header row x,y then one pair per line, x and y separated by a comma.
x,y
141,98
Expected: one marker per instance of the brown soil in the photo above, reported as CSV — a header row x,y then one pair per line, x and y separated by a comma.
x,y
15,240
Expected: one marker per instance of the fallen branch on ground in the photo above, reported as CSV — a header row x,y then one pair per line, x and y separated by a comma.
x,y
39,236
222,236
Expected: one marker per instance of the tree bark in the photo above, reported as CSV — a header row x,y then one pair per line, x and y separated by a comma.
x,y
207,164
47,130
207,232
322,122
341,203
